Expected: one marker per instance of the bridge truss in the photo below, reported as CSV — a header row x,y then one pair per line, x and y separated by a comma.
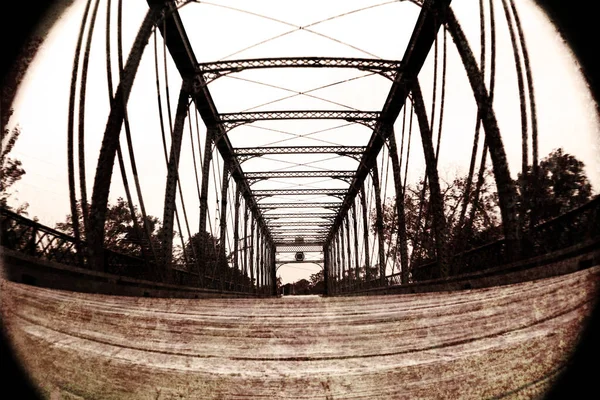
x,y
367,238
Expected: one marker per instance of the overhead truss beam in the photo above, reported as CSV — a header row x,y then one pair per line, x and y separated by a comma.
x,y
232,120
214,70
185,60
281,230
271,206
430,19
299,174
299,192
272,224
269,217
339,150
290,247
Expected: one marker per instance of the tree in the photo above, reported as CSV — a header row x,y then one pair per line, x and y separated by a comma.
x,y
121,233
561,185
203,253
11,170
317,283
481,222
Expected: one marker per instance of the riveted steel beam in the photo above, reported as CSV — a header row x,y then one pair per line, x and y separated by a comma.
x,y
299,192
269,217
431,17
297,232
231,120
270,206
291,247
273,224
300,174
183,56
339,150
214,70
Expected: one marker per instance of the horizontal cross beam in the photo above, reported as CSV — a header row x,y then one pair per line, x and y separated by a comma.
x,y
283,247
273,224
298,205
299,192
339,150
252,116
284,262
300,174
280,230
270,217
214,70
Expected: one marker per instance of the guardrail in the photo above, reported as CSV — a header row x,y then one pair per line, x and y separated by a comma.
x,y
576,226
32,238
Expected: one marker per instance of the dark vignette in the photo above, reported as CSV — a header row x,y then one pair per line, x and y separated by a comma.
x,y
576,22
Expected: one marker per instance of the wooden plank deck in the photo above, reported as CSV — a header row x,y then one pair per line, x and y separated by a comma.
x,y
502,342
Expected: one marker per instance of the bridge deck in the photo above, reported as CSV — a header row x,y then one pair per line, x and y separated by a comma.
x,y
503,341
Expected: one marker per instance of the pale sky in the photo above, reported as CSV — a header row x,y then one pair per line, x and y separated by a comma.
x,y
567,116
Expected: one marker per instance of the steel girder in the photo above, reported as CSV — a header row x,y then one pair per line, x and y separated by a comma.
x,y
291,247
292,239
339,150
186,62
296,231
299,192
272,224
430,19
271,206
284,262
214,70
230,120
270,217
299,174
110,142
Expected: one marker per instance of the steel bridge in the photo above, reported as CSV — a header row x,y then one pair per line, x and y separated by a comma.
x,y
236,208
370,233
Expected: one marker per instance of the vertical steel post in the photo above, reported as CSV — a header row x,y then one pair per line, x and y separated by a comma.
x,y
363,204
210,135
338,254
379,224
349,251
252,225
436,200
110,142
356,261
173,178
245,264
507,193
274,288
401,239
236,238
326,260
258,272
343,257
223,267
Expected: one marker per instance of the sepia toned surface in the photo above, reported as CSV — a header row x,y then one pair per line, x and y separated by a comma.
x,y
508,341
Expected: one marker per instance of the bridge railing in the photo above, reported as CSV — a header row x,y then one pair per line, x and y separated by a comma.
x,y
578,225
30,237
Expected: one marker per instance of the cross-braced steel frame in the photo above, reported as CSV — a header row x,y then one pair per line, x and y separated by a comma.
x,y
256,239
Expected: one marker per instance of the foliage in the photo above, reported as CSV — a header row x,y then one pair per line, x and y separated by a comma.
x,y
121,234
11,170
483,226
213,264
561,185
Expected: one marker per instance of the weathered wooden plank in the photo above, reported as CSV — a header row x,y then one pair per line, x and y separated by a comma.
x,y
469,344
